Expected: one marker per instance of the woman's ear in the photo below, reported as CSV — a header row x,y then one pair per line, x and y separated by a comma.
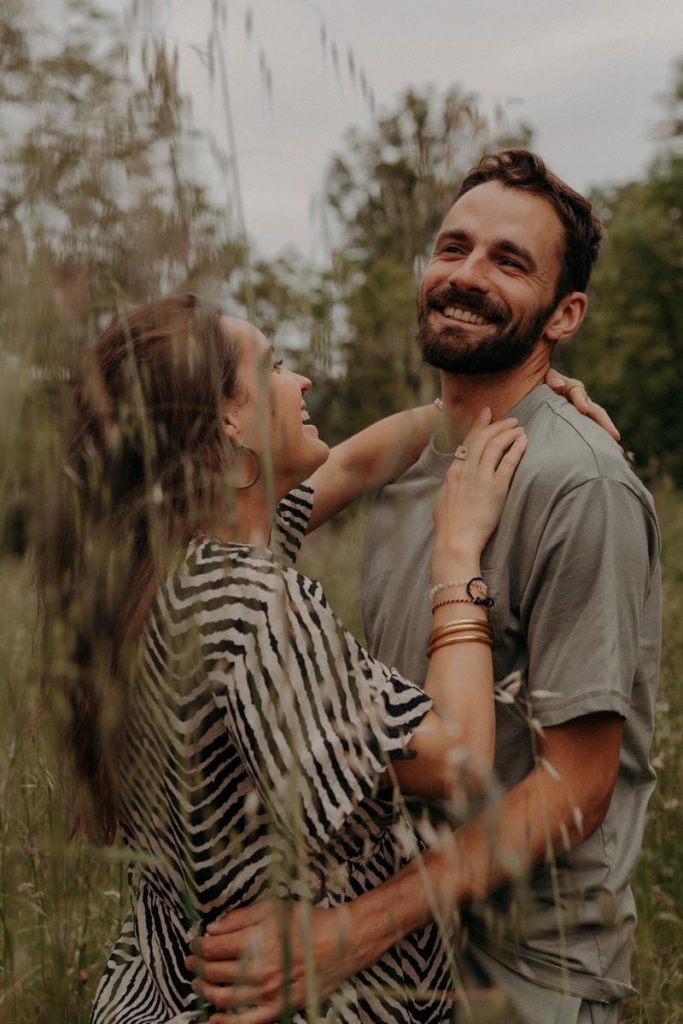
x,y
231,421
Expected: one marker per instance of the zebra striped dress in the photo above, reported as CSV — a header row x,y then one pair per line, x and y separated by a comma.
x,y
258,733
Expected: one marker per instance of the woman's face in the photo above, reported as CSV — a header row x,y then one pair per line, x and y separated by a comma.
x,y
268,413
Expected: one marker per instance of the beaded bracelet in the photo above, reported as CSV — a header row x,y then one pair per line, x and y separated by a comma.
x,y
448,584
482,598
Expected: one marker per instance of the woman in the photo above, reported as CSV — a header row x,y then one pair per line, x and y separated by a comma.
x,y
217,711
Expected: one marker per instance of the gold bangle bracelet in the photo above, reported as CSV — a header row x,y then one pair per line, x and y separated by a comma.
x,y
455,636
464,622
465,640
452,628
448,641
460,632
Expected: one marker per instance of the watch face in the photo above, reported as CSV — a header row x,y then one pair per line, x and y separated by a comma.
x,y
477,588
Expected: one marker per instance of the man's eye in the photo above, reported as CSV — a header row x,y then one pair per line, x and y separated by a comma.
x,y
507,262
278,364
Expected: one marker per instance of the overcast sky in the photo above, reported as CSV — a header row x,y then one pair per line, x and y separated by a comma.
x,y
585,74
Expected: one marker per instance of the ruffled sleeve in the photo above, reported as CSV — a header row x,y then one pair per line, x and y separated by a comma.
x,y
291,522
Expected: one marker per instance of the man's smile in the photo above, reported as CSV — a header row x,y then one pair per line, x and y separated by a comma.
x,y
464,315
467,309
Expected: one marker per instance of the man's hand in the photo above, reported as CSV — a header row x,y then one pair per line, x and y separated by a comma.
x,y
240,963
575,392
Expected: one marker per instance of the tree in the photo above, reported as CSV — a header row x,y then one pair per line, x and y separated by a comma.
x,y
386,196
98,207
630,351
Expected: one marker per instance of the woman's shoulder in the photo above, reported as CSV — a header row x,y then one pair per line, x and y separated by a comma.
x,y
214,571
291,522
209,565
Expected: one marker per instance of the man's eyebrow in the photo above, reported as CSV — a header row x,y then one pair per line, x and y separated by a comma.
x,y
454,235
505,245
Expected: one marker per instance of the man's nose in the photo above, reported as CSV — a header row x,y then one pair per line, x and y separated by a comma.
x,y
469,273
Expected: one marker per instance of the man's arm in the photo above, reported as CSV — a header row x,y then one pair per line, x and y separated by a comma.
x,y
556,807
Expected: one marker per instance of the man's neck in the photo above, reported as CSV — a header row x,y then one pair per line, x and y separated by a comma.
x,y
465,396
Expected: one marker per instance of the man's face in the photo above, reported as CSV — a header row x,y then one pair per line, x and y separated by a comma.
x,y
489,287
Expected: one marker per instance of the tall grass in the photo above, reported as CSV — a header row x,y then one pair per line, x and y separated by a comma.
x,y
658,959
62,903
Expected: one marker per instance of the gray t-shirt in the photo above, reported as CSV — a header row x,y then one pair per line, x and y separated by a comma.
x,y
574,570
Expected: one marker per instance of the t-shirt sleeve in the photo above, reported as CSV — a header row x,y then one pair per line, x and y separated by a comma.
x,y
584,602
291,522
315,719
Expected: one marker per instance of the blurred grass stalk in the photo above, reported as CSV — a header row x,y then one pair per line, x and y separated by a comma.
x,y
62,903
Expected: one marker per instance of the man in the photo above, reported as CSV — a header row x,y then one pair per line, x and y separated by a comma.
x,y
573,569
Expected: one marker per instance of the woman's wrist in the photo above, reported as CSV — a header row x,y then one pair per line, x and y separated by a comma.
x,y
454,566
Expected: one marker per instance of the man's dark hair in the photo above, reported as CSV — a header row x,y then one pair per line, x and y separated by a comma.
x,y
518,168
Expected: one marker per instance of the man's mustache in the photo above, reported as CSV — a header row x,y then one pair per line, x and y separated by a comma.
x,y
494,312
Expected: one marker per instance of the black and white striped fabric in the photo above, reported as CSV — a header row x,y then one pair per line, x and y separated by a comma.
x,y
258,733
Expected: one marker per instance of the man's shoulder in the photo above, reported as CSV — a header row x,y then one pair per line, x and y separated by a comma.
x,y
567,450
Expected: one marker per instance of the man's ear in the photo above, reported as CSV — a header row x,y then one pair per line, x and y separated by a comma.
x,y
567,317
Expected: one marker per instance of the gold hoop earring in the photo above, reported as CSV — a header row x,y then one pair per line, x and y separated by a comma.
x,y
257,468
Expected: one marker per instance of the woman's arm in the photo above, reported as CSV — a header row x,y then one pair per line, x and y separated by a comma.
x,y
370,459
453,745
381,452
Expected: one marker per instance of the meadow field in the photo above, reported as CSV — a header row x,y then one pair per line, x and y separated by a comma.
x,y
62,902
104,203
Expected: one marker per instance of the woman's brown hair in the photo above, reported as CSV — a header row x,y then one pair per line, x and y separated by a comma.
x,y
146,457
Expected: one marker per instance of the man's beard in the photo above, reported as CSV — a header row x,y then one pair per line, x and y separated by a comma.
x,y
502,346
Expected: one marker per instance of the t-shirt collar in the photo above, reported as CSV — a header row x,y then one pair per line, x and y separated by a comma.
x,y
436,462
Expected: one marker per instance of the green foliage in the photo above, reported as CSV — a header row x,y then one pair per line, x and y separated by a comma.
x,y
658,963
99,208
98,211
630,352
386,195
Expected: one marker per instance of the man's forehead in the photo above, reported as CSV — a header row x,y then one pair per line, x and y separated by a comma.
x,y
492,212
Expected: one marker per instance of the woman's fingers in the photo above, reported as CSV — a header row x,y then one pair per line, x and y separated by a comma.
x,y
578,395
603,419
482,433
575,391
511,459
497,445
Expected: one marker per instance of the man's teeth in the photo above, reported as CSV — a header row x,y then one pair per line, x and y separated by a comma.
x,y
455,313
